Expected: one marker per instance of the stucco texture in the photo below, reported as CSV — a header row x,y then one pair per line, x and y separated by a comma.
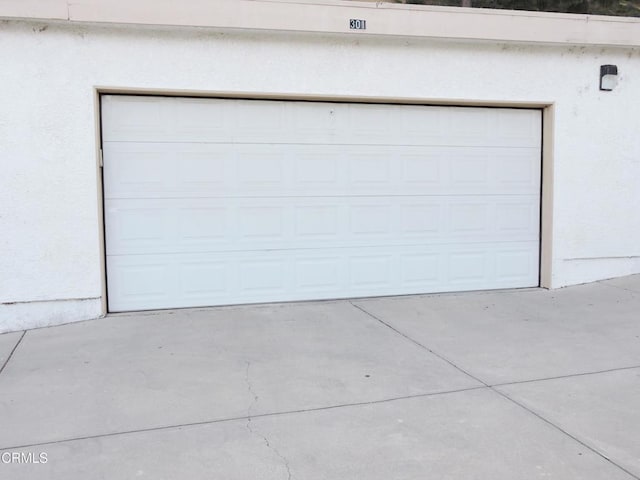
x,y
49,211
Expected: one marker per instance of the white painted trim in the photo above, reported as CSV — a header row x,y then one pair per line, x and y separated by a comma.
x,y
548,112
546,211
458,102
332,16
99,189
43,9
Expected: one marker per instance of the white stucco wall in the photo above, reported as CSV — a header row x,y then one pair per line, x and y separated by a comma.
x,y
49,221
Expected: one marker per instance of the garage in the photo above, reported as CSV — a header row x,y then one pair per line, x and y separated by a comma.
x,y
218,201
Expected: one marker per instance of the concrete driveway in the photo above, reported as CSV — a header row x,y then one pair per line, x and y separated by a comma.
x,y
506,385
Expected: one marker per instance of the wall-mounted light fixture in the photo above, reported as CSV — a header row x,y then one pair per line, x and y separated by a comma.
x,y
608,77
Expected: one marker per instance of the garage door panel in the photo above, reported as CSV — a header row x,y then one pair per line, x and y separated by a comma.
x,y
191,120
128,118
469,168
148,170
374,270
203,279
133,282
320,274
474,127
324,125
191,280
147,119
208,224
517,170
139,170
518,127
135,172
517,218
469,218
139,226
468,267
318,220
214,201
423,270
514,265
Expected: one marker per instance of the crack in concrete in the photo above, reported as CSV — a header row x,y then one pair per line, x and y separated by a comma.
x,y
255,432
235,419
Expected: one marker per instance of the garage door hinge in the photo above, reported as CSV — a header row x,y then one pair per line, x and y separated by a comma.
x,y
101,159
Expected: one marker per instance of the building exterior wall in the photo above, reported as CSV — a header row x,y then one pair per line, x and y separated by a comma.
x,y
333,16
50,222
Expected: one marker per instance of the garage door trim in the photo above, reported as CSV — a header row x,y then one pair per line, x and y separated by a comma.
x,y
546,107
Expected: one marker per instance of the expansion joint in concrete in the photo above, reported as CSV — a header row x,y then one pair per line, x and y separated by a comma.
x,y
15,347
502,394
424,347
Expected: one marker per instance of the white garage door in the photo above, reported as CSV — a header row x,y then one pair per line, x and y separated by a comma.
x,y
218,201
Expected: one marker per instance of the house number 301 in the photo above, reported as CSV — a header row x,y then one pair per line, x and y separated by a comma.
x,y
355,24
